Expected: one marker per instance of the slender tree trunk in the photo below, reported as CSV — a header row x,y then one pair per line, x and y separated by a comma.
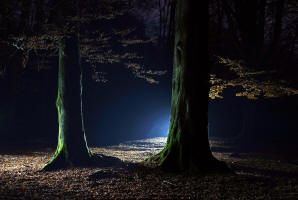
x,y
250,17
278,23
247,22
277,30
187,147
261,32
72,149
25,17
39,16
219,16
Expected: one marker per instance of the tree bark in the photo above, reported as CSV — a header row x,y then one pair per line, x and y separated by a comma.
x,y
277,30
249,20
72,148
171,27
187,147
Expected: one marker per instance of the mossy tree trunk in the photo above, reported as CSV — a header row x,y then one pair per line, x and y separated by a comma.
x,y
72,149
187,147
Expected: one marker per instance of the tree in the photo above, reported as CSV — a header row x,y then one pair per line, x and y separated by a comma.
x,y
72,148
187,147
63,27
253,85
249,16
259,31
13,59
167,21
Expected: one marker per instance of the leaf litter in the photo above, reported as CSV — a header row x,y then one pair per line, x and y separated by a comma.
x,y
257,176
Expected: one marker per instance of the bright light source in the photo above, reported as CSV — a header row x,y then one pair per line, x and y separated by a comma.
x,y
160,127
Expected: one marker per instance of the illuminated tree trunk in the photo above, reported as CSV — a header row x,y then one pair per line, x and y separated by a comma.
x,y
187,147
72,149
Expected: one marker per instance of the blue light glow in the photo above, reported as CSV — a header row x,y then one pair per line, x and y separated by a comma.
x,y
160,127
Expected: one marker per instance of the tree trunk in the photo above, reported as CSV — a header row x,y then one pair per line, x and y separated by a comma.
x,y
250,17
25,17
171,28
72,149
261,33
246,16
187,147
277,30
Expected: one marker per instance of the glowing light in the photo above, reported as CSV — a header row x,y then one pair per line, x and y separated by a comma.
x,y
160,128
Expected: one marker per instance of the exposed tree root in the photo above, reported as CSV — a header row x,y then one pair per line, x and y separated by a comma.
x,y
94,160
172,163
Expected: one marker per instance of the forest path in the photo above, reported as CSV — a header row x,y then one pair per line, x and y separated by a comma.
x,y
258,176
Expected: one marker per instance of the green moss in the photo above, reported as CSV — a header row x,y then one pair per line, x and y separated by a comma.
x,y
72,148
187,147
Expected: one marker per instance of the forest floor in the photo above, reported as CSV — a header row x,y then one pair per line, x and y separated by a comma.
x,y
257,176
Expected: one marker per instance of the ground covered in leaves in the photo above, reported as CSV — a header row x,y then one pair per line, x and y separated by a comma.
x,y
257,176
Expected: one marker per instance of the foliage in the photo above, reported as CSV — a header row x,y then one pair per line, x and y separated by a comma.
x,y
254,83
261,176
97,39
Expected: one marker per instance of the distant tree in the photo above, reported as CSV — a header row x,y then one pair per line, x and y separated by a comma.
x,y
247,18
187,147
13,60
258,30
252,84
277,28
261,34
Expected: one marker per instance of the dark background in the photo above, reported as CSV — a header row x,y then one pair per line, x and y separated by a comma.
x,y
127,108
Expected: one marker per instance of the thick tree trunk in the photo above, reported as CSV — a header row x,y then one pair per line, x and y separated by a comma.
x,y
72,149
171,28
187,147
